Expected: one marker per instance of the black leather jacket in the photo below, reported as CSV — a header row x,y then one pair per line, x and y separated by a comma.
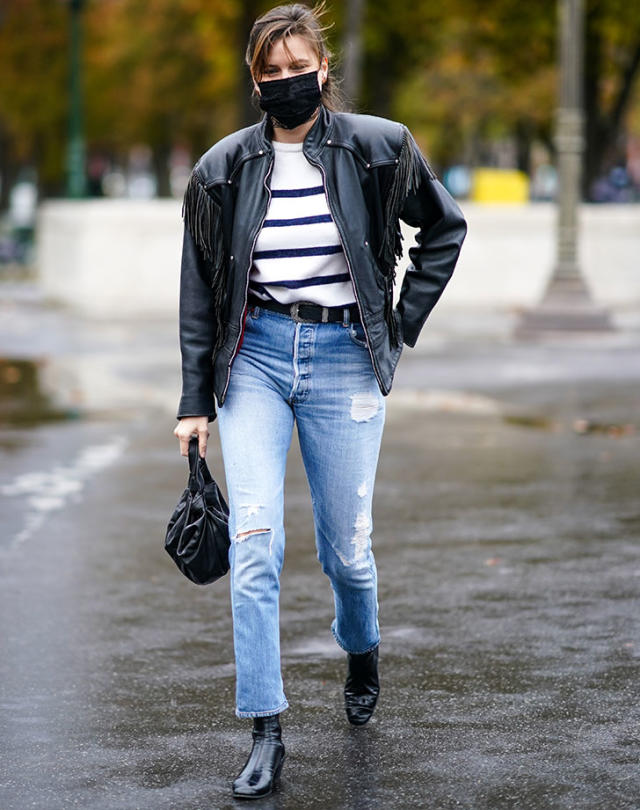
x,y
374,175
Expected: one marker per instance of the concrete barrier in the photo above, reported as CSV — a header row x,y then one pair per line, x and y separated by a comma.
x,y
509,254
121,257
111,257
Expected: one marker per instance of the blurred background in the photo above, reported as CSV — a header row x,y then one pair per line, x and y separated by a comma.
x,y
161,80
506,512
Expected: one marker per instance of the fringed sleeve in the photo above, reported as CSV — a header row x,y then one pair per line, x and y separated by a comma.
x,y
202,215
406,179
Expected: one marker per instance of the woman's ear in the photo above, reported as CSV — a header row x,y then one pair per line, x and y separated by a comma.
x,y
324,68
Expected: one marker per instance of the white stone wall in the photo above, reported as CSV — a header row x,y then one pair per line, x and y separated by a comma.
x,y
509,254
111,257
122,257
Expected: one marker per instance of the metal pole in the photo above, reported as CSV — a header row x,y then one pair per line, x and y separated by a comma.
x,y
569,138
567,304
76,150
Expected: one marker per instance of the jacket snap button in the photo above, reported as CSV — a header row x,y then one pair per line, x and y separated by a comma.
x,y
231,258
366,244
261,152
229,181
329,141
368,165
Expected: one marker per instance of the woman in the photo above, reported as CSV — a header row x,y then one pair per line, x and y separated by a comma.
x,y
286,315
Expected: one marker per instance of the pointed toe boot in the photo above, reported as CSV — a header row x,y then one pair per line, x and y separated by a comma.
x,y
362,687
262,769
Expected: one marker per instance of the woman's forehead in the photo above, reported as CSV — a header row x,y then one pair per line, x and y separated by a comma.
x,y
293,48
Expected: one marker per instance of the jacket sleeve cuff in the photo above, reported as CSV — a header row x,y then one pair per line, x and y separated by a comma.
x,y
410,340
197,406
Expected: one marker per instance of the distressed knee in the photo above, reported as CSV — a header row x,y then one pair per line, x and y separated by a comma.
x,y
240,536
252,521
245,537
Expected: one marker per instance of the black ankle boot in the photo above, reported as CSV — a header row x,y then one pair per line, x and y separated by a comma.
x,y
263,767
362,687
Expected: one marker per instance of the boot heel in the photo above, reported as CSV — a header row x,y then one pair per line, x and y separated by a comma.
x,y
278,770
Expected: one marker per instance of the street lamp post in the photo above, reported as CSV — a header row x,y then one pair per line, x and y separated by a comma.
x,y
567,305
76,150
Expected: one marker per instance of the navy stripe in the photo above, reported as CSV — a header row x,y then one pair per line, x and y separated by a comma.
x,y
281,223
297,192
310,282
290,253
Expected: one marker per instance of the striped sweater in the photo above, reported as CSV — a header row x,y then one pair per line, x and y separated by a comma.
x,y
298,255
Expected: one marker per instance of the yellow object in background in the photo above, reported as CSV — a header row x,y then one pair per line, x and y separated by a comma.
x,y
499,186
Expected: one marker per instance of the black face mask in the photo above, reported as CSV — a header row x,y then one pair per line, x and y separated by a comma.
x,y
292,101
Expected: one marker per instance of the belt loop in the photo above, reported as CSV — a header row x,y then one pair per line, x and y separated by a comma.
x,y
346,316
325,314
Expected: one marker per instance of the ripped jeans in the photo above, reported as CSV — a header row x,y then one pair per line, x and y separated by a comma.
x,y
320,376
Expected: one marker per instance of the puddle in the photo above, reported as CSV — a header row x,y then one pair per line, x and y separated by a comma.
x,y
581,427
532,421
24,402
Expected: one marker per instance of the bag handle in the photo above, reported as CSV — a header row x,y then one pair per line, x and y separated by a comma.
x,y
199,475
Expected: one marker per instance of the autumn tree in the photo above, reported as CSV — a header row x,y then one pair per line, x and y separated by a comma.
x,y
478,70
461,75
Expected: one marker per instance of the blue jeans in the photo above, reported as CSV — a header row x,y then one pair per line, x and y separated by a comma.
x,y
320,376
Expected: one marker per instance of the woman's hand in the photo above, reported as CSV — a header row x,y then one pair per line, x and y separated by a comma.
x,y
192,426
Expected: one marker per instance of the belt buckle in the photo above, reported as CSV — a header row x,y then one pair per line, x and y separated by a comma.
x,y
294,310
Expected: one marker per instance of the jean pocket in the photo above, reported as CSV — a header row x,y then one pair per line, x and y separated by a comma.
x,y
357,335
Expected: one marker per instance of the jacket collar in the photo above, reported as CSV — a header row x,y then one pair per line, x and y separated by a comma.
x,y
314,140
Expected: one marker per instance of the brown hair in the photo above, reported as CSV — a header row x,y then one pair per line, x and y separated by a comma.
x,y
286,21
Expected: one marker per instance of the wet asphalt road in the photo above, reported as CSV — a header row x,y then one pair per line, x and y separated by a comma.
x,y
507,522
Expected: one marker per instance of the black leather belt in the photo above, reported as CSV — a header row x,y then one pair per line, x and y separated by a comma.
x,y
307,312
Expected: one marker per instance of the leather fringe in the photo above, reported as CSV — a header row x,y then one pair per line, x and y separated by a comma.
x,y
203,217
405,180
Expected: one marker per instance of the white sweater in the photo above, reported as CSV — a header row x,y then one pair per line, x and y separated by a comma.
x,y
298,255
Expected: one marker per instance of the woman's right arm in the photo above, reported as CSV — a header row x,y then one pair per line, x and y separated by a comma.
x,y
441,232
197,337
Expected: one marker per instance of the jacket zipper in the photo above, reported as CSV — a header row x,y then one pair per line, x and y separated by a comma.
x,y
346,256
246,285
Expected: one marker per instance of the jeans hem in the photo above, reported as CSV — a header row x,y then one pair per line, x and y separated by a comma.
x,y
268,713
352,652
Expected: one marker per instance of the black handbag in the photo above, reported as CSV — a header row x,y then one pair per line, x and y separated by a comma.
x,y
197,536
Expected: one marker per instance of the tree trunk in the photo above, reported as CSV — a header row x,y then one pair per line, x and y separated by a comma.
x,y
8,170
523,138
352,52
161,169
248,114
